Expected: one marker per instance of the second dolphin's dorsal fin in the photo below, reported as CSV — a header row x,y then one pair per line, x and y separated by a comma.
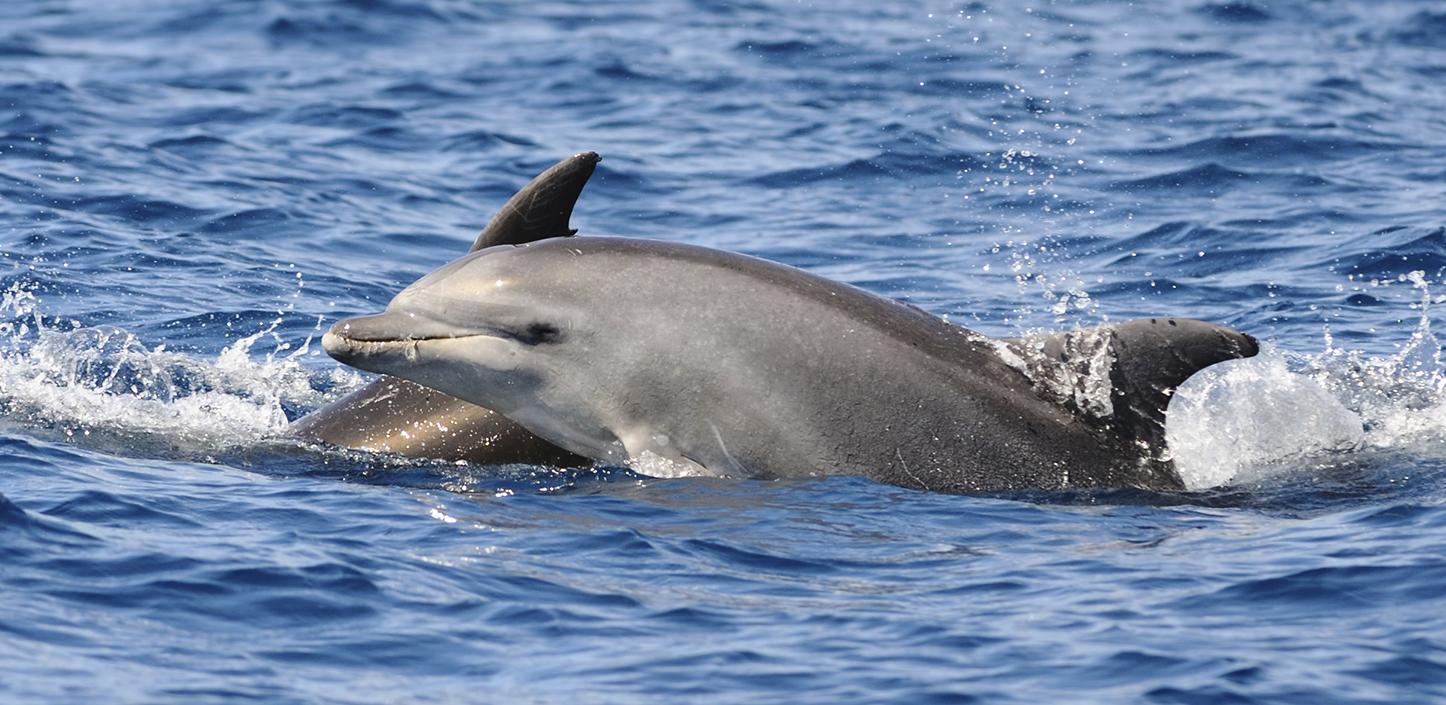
x,y
1122,376
543,207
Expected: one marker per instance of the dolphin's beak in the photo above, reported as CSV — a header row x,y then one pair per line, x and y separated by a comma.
x,y
386,327
351,340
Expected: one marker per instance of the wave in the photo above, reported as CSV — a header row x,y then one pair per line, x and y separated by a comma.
x,y
1281,412
1269,148
1212,178
1235,12
105,387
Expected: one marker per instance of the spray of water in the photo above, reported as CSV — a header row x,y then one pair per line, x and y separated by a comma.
x,y
81,382
1241,421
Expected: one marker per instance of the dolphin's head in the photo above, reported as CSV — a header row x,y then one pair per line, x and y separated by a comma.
x,y
468,329
576,340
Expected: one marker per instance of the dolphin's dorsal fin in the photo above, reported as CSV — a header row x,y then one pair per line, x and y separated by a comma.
x,y
542,208
1122,376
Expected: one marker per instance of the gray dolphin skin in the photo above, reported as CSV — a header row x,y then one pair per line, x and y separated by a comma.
x,y
398,416
679,359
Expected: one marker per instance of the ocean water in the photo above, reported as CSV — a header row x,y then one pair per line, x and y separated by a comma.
x,y
190,191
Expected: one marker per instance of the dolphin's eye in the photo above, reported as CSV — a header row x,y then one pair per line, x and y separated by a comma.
x,y
539,333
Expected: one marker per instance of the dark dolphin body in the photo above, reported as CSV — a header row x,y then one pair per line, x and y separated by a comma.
x,y
682,359
399,416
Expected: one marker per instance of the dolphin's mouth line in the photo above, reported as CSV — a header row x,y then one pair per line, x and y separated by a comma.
x,y
407,325
382,342
356,351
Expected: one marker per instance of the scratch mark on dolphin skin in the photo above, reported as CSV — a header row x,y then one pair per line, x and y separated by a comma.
x,y
729,456
911,475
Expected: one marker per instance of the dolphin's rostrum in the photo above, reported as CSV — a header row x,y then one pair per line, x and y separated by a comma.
x,y
678,358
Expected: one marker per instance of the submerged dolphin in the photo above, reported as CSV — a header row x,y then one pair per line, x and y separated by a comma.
x,y
398,416
678,358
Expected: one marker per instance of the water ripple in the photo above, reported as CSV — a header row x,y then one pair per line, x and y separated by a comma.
x,y
192,191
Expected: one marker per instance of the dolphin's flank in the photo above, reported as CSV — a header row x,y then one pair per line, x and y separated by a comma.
x,y
675,359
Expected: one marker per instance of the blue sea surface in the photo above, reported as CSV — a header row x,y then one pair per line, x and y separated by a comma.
x,y
190,191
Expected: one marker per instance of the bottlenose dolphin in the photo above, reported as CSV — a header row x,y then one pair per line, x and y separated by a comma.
x,y
398,416
675,358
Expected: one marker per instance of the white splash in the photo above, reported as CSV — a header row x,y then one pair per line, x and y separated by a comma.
x,y
1244,420
1076,375
655,465
83,381
1238,420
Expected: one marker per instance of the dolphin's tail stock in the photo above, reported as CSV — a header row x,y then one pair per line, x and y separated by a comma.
x,y
1122,376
